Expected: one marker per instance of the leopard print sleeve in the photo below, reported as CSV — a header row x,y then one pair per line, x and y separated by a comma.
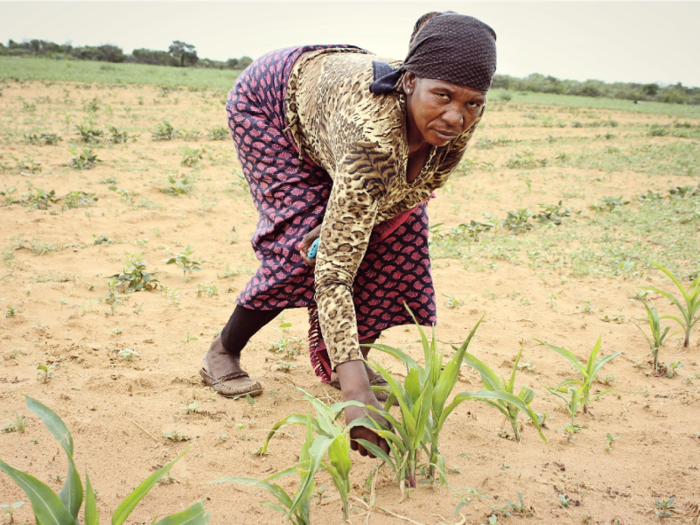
x,y
347,226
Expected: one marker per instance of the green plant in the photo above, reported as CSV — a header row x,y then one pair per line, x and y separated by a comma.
x,y
19,424
43,139
191,157
423,406
119,137
93,106
665,507
176,435
63,508
520,509
11,311
285,366
128,354
26,106
218,133
518,222
78,199
588,307
85,160
610,440
588,372
183,185
572,400
526,160
10,509
672,367
38,199
610,204
186,262
134,276
90,135
452,301
326,447
164,131
552,214
192,136
172,295
45,372
492,383
207,290
658,334
691,297
288,345
191,408
26,166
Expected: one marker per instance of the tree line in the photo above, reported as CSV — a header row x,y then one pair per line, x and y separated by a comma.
x,y
674,94
182,54
179,54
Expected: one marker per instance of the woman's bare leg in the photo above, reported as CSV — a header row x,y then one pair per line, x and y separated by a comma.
x,y
224,355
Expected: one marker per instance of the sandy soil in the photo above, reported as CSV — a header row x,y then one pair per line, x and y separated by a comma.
x,y
118,410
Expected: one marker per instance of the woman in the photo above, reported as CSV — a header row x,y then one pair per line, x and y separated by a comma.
x,y
335,143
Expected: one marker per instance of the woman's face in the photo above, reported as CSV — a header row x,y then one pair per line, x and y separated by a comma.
x,y
438,110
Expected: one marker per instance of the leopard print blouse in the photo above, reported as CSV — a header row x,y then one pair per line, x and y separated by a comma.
x,y
360,139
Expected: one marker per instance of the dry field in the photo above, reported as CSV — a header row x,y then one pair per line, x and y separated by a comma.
x,y
121,369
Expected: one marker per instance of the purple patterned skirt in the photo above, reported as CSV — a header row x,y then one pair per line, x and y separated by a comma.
x,y
291,197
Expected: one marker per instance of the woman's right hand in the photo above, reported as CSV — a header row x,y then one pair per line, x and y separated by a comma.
x,y
355,387
306,243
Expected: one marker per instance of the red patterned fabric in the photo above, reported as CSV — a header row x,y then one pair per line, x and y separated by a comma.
x,y
291,198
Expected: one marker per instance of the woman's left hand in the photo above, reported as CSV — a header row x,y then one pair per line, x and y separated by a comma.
x,y
306,243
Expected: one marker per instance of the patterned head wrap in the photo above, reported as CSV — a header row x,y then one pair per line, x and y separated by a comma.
x,y
445,46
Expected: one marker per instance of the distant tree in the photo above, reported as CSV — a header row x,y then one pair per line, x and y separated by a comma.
x,y
650,89
232,63
244,62
185,52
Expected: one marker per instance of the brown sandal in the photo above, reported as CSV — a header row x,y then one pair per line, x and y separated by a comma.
x,y
252,388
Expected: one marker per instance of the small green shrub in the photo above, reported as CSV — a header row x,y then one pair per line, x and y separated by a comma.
x,y
90,135
182,185
43,139
78,199
218,133
164,131
518,222
135,277
191,157
525,161
85,160
609,204
186,262
192,135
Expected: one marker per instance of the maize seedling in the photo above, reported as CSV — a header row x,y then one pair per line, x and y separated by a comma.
x,y
330,438
63,508
589,371
691,296
658,333
493,383
423,404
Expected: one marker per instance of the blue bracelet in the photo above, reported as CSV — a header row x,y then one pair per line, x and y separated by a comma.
x,y
313,249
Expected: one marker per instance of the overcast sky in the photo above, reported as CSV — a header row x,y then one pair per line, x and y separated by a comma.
x,y
611,41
